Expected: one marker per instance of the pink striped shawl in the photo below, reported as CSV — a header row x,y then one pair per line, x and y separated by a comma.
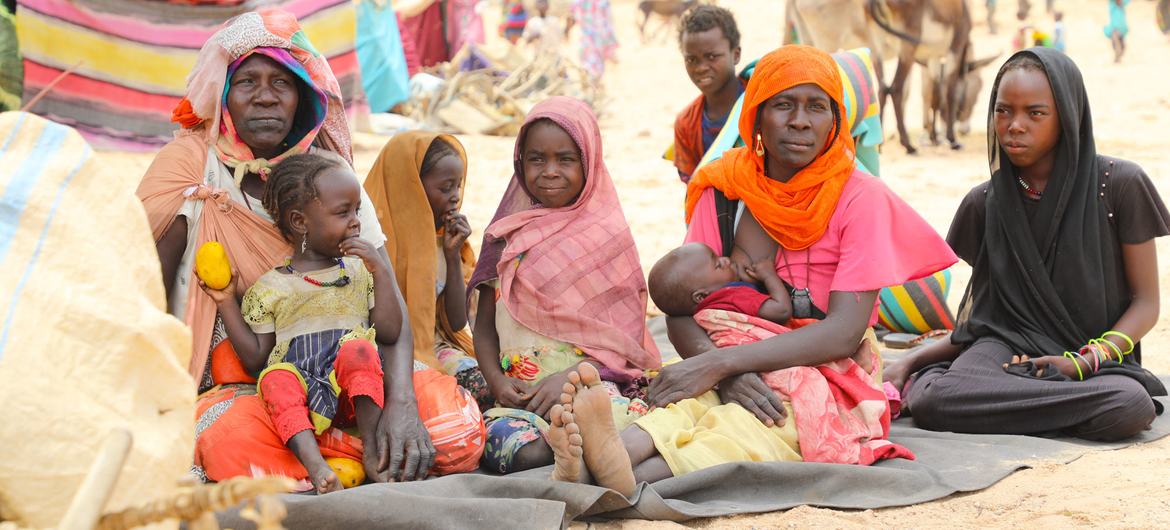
x,y
842,416
572,273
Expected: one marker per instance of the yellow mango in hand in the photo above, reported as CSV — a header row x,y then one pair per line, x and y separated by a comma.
x,y
349,471
212,265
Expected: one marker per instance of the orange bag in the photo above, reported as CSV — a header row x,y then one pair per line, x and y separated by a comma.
x,y
453,419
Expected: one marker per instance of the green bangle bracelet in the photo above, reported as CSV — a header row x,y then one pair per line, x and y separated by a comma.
x,y
1108,344
1124,337
1072,356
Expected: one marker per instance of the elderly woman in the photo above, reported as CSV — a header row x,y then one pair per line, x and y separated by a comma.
x,y
259,94
794,197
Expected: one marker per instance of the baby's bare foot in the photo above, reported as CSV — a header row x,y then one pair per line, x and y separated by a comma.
x,y
565,440
324,478
605,455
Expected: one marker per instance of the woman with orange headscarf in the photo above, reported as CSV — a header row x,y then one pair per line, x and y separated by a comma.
x,y
837,235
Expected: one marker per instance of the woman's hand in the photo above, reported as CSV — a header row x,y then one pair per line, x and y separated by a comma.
x,y
547,392
405,451
456,230
356,246
685,379
1044,364
220,296
897,373
750,392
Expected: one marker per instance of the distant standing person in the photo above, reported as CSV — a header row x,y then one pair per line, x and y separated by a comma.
x,y
598,41
1059,34
1117,28
544,32
709,39
433,31
1162,12
515,20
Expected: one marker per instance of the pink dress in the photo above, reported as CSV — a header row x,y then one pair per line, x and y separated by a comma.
x,y
874,240
464,25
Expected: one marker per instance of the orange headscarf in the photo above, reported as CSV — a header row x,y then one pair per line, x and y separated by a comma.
x,y
395,188
795,213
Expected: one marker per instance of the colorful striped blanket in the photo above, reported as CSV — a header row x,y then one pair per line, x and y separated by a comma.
x,y
841,413
130,59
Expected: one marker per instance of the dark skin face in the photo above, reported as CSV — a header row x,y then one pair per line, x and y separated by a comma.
x,y
1027,124
796,125
262,99
705,272
709,59
441,185
553,170
331,218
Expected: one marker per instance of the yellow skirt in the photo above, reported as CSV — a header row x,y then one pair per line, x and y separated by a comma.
x,y
698,433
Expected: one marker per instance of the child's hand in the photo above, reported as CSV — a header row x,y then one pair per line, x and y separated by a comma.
x,y
356,246
456,231
761,270
547,392
512,393
220,296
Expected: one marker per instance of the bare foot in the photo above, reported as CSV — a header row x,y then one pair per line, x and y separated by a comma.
x,y
605,455
324,478
565,440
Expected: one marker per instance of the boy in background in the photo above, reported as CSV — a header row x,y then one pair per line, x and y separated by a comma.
x,y
709,39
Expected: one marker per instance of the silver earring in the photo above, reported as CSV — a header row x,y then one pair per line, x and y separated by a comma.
x,y
304,242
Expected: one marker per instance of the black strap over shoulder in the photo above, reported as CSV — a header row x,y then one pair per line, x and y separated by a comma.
x,y
725,210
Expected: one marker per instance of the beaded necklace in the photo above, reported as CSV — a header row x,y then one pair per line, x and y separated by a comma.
x,y
1032,194
341,281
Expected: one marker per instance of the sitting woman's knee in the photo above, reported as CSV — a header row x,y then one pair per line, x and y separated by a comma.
x,y
927,404
1125,411
1133,414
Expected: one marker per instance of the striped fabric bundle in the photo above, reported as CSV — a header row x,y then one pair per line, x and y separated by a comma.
x,y
130,59
917,306
862,108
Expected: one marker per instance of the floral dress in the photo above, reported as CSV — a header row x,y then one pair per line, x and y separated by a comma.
x,y
598,41
311,322
530,357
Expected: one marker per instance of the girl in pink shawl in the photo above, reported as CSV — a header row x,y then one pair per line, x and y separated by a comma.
x,y
560,283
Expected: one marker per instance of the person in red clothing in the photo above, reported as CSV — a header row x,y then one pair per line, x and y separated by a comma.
x,y
709,40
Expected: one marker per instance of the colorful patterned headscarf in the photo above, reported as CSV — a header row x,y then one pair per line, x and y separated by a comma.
x,y
232,149
276,34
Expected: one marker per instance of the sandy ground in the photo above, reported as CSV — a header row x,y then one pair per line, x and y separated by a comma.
x,y
1125,489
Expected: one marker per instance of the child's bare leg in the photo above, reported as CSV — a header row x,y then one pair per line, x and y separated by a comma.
x,y
564,437
649,466
304,446
605,455
368,413
533,455
358,369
